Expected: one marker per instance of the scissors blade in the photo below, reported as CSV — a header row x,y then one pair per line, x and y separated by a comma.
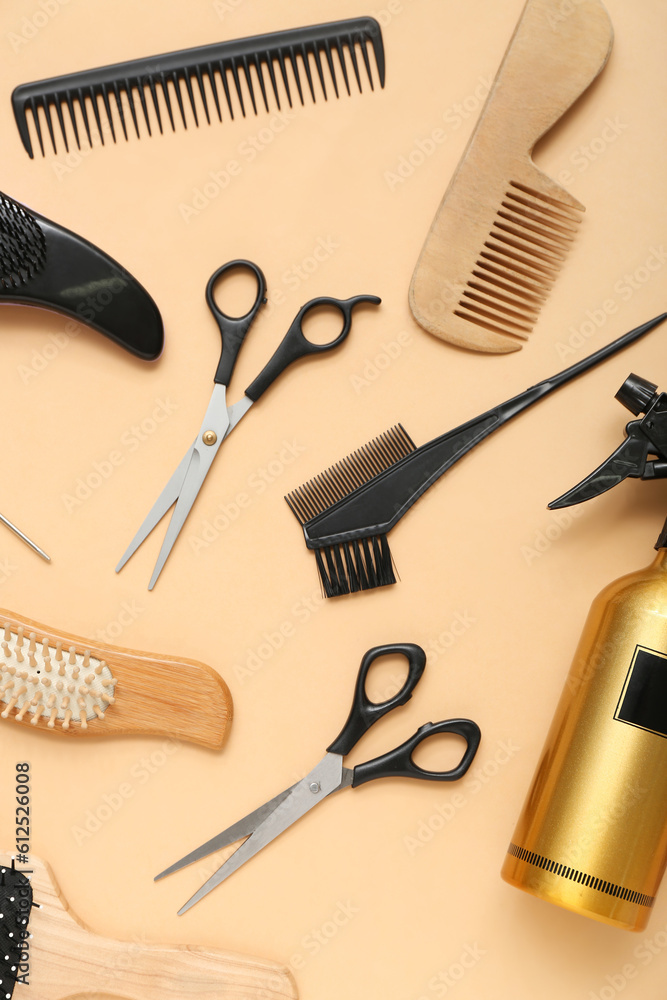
x,y
167,499
216,423
237,411
327,777
243,828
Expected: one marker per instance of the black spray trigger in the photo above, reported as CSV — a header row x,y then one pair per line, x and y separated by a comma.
x,y
644,438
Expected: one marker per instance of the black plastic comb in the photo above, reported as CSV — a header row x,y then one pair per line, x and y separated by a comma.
x,y
347,511
15,905
218,72
43,264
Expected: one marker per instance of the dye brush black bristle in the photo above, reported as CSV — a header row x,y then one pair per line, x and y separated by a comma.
x,y
347,511
211,77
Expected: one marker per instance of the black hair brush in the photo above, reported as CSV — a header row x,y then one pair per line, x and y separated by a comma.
x,y
347,511
44,264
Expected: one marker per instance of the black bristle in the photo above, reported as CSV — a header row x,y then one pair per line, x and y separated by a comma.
x,y
22,244
16,901
362,564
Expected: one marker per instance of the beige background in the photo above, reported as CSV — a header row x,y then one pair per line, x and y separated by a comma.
x,y
467,551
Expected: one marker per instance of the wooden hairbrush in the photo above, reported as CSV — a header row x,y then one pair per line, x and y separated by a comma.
x,y
61,683
66,959
504,228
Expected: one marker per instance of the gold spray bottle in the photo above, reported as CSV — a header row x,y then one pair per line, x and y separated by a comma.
x,y
592,836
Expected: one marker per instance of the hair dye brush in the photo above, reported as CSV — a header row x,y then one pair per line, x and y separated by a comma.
x,y
347,511
44,264
60,683
63,958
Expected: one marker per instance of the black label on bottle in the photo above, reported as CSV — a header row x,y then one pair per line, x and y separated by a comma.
x,y
643,701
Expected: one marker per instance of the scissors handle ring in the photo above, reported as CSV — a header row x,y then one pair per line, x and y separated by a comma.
x,y
233,328
364,712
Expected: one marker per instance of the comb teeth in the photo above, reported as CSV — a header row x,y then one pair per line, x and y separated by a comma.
x,y
346,476
41,680
16,901
22,244
525,249
228,72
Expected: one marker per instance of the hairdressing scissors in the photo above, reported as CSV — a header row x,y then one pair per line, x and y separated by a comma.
x,y
221,419
266,823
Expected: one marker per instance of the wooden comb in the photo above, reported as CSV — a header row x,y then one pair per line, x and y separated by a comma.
x,y
61,683
66,959
504,228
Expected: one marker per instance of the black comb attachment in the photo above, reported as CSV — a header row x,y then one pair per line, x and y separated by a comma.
x,y
15,904
357,564
212,77
22,244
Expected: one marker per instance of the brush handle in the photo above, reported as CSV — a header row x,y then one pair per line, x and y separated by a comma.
x,y
154,695
68,960
375,508
158,972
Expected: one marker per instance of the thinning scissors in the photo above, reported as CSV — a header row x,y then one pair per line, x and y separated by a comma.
x,y
266,823
221,419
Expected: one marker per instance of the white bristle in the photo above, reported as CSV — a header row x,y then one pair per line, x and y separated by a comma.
x,y
28,692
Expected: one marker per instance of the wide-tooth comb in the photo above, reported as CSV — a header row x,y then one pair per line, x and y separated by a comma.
x,y
503,229
211,76
61,683
347,511
64,958
44,264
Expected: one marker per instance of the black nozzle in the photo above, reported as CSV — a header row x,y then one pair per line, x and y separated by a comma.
x,y
637,394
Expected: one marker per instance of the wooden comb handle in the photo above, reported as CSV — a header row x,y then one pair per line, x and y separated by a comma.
x,y
133,693
551,60
503,228
68,960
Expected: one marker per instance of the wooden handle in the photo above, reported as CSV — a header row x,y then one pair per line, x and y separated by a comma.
x,y
503,228
69,960
551,60
165,696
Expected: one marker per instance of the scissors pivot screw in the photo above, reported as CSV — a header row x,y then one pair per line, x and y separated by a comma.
x,y
209,437
315,787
